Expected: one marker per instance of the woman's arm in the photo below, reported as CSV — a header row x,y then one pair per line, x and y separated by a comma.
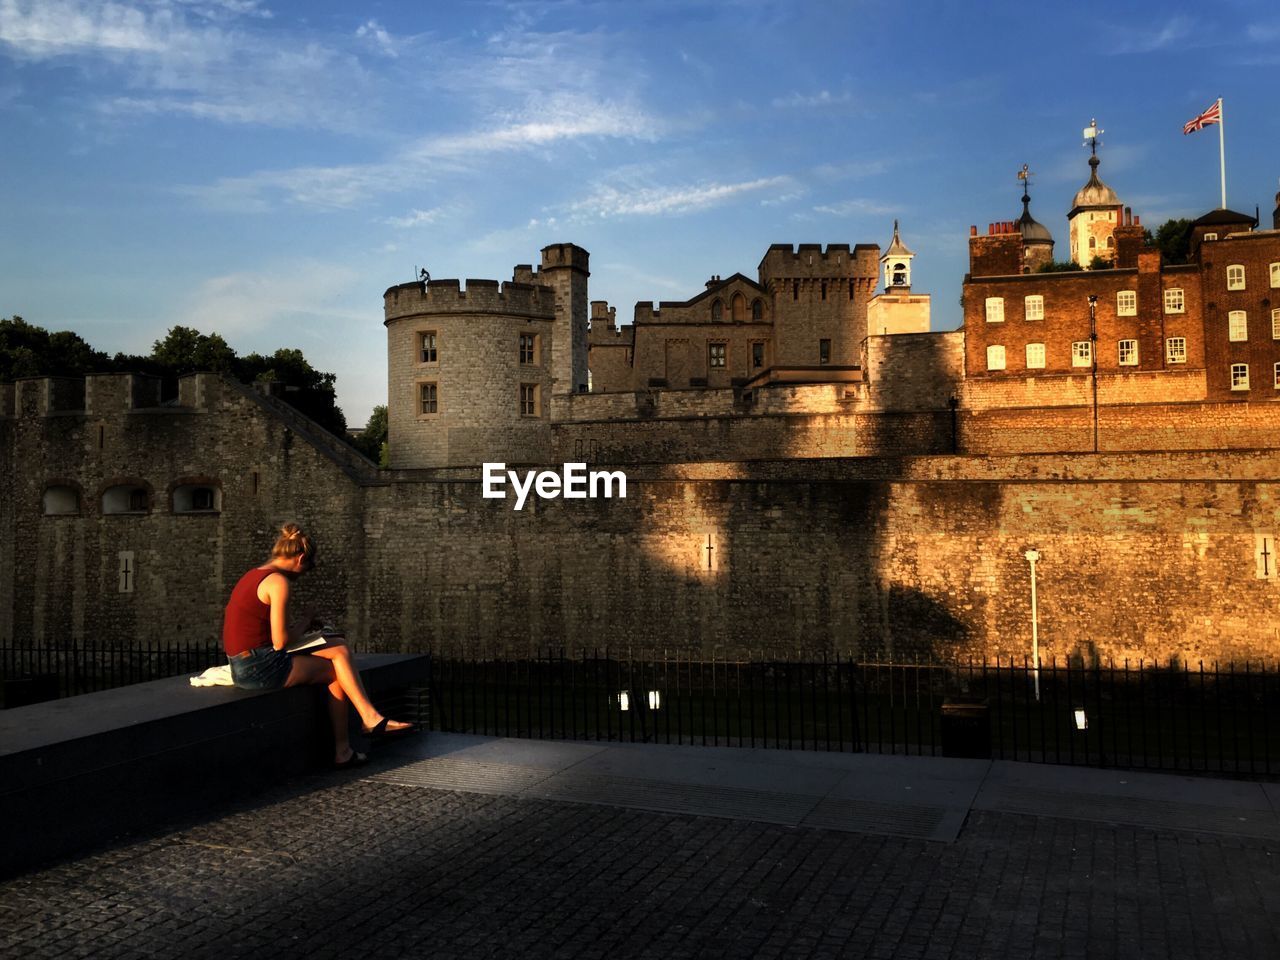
x,y
276,587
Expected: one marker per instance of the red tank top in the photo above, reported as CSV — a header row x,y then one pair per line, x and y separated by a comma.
x,y
246,623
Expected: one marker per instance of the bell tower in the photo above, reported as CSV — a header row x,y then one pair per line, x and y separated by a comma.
x,y
896,264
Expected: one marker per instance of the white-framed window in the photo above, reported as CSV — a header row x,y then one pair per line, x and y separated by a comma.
x,y
529,400
1211,236
995,309
1035,356
428,399
1275,275
1175,350
1034,306
1235,277
1239,376
716,355
1128,353
1237,326
1275,324
1127,303
428,351
1276,375
1174,301
995,357
1082,353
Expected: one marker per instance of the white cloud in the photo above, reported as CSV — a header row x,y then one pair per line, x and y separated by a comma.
x,y
823,98
298,293
610,201
1171,35
848,208
560,119
187,57
415,218
377,35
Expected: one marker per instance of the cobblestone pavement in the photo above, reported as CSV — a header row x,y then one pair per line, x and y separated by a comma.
x,y
342,867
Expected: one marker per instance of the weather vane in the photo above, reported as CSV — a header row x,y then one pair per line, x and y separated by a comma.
x,y
1024,176
1091,135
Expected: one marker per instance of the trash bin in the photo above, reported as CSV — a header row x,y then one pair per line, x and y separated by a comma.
x,y
30,688
966,728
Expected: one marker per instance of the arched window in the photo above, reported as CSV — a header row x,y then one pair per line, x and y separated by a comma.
x,y
757,310
717,310
1235,277
197,498
126,498
739,308
1093,243
60,500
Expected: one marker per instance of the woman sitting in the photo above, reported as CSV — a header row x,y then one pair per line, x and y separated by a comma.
x,y
256,630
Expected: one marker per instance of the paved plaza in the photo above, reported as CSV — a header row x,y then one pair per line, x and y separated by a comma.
x,y
453,846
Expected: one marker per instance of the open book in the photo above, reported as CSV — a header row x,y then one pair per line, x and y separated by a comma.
x,y
321,637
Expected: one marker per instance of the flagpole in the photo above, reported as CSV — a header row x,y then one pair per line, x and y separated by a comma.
x,y
1222,152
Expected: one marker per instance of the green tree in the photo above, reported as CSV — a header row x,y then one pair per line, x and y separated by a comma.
x,y
187,350
1100,263
1056,266
373,441
1173,239
306,388
30,351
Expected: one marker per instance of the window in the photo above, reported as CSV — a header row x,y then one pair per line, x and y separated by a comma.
x,y
528,348
795,290
824,351
717,310
1128,353
1237,326
1211,236
995,309
757,310
61,501
824,289
1035,356
1235,277
1174,301
126,498
851,289
995,357
1127,303
1275,324
1175,350
757,355
429,398
1275,275
1082,353
1239,376
1275,373
427,347
715,355
528,399
196,498
1093,243
1034,307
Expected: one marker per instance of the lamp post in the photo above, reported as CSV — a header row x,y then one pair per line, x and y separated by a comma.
x,y
1093,358
1033,557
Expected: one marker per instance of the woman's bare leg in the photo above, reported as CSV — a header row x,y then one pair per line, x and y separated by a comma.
x,y
309,670
348,678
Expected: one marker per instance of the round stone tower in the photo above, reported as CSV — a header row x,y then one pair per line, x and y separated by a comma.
x,y
469,373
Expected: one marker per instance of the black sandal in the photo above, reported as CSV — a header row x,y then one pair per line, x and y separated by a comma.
x,y
379,730
356,759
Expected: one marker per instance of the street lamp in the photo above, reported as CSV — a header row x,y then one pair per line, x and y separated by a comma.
x,y
1033,557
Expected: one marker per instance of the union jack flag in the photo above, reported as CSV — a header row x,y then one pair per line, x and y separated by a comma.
x,y
1211,115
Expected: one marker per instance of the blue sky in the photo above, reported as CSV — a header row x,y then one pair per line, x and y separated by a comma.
x,y
266,169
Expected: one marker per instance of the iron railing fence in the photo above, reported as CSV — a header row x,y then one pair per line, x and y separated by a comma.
x,y
1163,716
90,665
1201,717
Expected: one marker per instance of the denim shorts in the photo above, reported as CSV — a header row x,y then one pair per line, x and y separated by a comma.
x,y
262,668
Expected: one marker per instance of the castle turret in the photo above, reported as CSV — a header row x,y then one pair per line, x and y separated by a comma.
x,y
1037,241
469,372
1095,213
564,269
897,310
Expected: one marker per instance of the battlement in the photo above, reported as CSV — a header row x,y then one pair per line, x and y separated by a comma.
x,y
999,253
480,296
604,322
782,260
560,255
100,394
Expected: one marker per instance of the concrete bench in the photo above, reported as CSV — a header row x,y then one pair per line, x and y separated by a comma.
x,y
82,770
